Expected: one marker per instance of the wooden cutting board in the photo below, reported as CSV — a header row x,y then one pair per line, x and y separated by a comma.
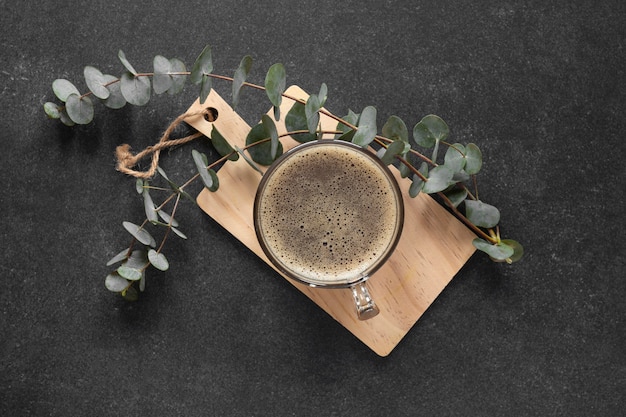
x,y
433,247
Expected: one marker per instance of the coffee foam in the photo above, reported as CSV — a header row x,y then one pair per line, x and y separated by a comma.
x,y
328,214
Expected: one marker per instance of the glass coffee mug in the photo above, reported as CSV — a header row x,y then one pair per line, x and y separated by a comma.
x,y
328,214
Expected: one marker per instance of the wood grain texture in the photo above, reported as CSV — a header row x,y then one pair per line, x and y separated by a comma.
x,y
433,247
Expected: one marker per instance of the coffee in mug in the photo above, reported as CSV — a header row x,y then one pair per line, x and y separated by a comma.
x,y
329,213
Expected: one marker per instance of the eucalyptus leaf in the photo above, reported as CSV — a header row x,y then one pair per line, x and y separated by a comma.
x,y
430,130
518,249
52,110
167,218
222,146
115,100
439,179
142,283
395,129
456,195
474,159
139,185
171,183
122,57
417,182
202,66
62,88
296,120
129,273
482,214
248,160
65,119
179,233
149,207
115,283
270,129
142,235
138,259
178,80
120,257
352,118
454,158
275,83
158,260
395,148
208,176
262,152
130,294
136,90
240,78
367,127
95,82
322,95
311,110
500,251
161,81
79,109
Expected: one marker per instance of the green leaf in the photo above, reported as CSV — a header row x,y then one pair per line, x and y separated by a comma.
x,y
120,257
430,130
296,120
171,183
474,159
179,233
395,129
115,283
498,252
397,147
138,260
178,80
139,185
456,196
367,127
136,90
262,152
275,83
208,176
240,77
248,160
62,88
115,100
482,214
122,57
270,129
79,109
222,146
202,67
149,207
158,260
130,274
417,181
322,95
52,110
65,119
454,158
142,235
438,180
518,250
130,294
96,83
311,110
161,81
167,218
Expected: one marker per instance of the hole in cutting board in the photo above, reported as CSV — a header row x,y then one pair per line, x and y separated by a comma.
x,y
211,114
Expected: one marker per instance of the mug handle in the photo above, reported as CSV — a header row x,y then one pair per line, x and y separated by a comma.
x,y
365,306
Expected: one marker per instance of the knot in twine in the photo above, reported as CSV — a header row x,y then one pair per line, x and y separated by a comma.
x,y
126,160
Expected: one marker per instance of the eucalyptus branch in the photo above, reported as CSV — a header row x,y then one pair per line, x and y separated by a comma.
x,y
445,177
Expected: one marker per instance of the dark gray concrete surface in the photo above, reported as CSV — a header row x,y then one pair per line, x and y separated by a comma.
x,y
538,85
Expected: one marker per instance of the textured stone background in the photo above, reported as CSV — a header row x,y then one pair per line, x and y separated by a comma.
x,y
538,85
